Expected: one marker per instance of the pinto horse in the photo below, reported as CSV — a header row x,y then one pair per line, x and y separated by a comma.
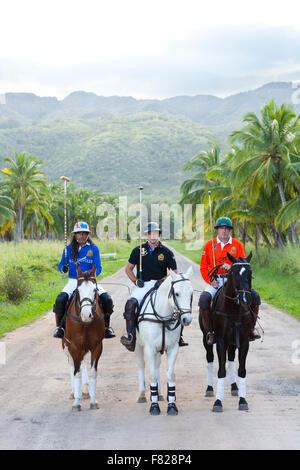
x,y
85,330
232,322
160,319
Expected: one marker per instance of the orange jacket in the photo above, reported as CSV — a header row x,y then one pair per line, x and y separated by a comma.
x,y
235,248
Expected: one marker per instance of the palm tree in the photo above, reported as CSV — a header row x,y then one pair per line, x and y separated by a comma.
x,y
22,179
265,156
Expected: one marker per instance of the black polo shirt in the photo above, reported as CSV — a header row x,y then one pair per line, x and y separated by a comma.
x,y
155,264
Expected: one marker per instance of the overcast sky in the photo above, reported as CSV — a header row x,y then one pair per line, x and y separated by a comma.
x,y
147,49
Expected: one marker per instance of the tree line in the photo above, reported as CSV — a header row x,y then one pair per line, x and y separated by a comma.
x,y
257,181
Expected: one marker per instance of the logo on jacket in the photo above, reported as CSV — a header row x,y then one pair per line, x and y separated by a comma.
x,y
90,253
161,257
233,250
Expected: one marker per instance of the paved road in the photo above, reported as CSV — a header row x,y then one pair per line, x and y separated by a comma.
x,y
36,409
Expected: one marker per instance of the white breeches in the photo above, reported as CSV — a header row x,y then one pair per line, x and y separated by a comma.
x,y
139,292
72,284
212,290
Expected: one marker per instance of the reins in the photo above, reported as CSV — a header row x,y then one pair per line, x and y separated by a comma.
x,y
165,322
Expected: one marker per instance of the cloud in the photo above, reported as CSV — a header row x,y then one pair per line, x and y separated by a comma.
x,y
221,61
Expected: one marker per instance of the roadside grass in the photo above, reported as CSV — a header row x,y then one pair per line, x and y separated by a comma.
x,y
37,263
278,282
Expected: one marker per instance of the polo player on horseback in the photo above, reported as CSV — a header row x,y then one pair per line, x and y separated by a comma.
x,y
81,250
215,251
157,258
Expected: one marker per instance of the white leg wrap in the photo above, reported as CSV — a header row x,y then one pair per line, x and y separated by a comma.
x,y
171,393
242,387
210,374
231,372
220,389
154,391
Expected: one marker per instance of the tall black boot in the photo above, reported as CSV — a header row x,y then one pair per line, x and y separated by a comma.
x,y
59,309
108,307
205,316
129,314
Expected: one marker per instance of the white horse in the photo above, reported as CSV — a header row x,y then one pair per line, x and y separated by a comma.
x,y
159,326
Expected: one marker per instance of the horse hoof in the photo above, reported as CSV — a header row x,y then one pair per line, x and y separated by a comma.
x,y
217,408
76,408
142,399
94,406
234,390
154,409
172,409
85,396
209,391
161,398
243,405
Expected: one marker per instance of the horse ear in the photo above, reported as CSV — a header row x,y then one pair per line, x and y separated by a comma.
x,y
173,275
189,272
231,258
94,270
79,272
249,257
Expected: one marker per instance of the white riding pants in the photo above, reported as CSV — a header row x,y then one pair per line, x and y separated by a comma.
x,y
72,284
212,290
139,292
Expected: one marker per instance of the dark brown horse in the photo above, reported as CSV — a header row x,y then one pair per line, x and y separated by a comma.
x,y
85,330
232,323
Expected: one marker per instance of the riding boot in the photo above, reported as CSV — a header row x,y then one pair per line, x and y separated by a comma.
x,y
59,309
130,317
205,314
181,341
253,333
106,302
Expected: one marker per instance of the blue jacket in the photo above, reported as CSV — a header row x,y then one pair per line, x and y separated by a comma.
x,y
87,255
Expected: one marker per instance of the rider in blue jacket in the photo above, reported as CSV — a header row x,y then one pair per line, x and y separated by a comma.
x,y
83,251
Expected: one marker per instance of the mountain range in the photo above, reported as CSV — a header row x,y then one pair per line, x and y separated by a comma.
x,y
113,144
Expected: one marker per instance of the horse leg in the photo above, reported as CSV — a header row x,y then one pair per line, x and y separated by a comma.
x,y
151,355
77,385
171,396
243,351
84,381
221,350
95,355
141,365
210,368
231,370
158,361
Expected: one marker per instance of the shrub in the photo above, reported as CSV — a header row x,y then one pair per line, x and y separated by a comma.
x,y
14,284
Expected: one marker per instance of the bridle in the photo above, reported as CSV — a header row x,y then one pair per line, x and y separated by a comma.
x,y
80,303
236,299
166,322
179,310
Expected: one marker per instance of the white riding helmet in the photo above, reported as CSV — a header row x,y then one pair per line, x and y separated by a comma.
x,y
81,227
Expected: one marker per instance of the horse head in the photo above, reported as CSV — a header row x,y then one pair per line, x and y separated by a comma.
x,y
240,275
181,295
87,293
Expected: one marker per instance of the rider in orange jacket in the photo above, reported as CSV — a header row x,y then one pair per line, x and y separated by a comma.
x,y
215,253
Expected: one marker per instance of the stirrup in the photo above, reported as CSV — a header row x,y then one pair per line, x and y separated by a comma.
x,y
109,332
210,338
181,342
59,332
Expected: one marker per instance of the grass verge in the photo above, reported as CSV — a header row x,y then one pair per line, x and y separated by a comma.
x,y
38,262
